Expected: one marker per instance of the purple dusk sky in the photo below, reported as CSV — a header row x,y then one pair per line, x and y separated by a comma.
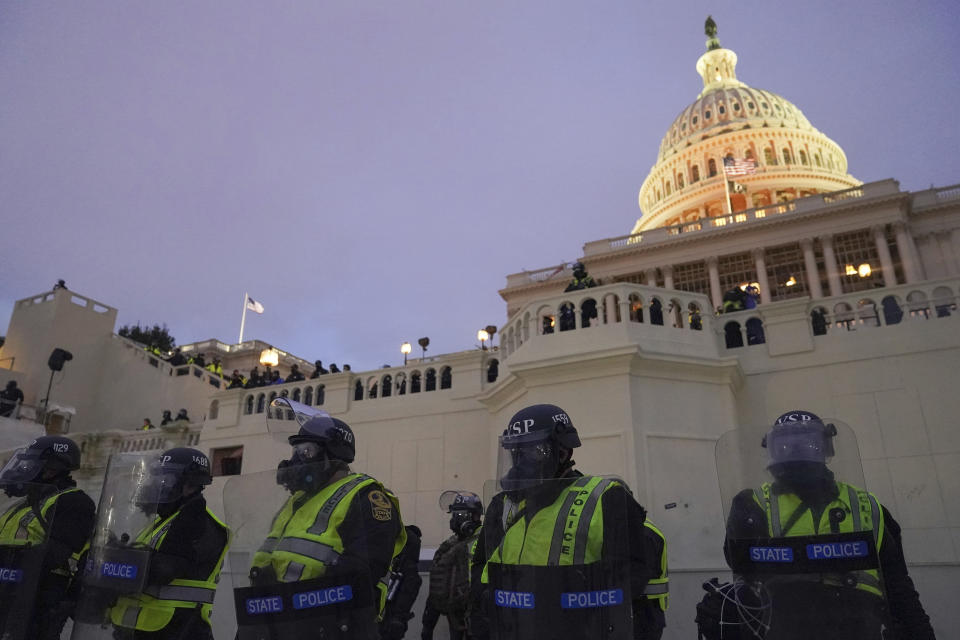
x,y
371,170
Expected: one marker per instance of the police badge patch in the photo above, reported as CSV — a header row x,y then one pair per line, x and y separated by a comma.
x,y
381,506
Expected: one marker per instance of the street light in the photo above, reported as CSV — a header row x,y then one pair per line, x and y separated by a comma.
x,y
864,270
405,350
483,336
492,330
424,342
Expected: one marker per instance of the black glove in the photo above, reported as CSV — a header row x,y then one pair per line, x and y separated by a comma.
x,y
263,576
393,628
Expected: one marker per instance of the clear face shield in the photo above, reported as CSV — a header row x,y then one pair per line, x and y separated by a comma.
x,y
463,520
23,467
163,485
526,460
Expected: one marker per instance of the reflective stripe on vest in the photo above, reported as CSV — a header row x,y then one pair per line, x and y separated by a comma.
x,y
153,609
864,512
525,541
28,528
304,540
658,588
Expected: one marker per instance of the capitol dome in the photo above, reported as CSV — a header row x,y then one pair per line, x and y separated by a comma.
x,y
791,159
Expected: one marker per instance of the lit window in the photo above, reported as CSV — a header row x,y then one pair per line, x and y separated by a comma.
x,y
719,222
740,217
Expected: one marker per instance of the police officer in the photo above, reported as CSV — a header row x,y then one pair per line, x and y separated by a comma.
x,y
403,588
334,518
805,499
53,508
188,544
449,574
526,524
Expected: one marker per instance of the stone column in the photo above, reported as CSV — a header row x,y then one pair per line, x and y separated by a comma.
x,y
908,253
830,261
716,295
883,250
759,259
810,262
651,277
610,309
667,276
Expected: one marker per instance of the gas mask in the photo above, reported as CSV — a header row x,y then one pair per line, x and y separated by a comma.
x,y
530,465
463,524
308,469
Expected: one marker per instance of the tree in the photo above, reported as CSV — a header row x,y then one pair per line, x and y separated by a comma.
x,y
156,336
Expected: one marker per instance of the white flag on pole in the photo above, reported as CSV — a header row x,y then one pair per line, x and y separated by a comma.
x,y
254,306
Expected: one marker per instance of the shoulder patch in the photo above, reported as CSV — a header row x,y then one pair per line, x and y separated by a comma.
x,y
380,505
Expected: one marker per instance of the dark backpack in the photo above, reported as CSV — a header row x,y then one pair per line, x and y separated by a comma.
x,y
450,576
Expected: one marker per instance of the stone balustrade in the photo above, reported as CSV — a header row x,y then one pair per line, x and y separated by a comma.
x,y
662,234
184,370
865,310
586,309
97,447
935,197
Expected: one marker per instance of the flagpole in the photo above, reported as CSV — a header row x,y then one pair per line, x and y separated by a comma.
x,y
243,318
726,190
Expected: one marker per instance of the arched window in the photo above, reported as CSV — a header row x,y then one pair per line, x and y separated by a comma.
x,y
415,382
568,319
917,302
401,383
372,387
694,319
803,158
446,378
679,181
669,189
892,311
732,335
768,157
867,312
430,380
296,395
357,391
386,383
493,370
656,312
636,308
748,154
943,302
248,405
755,331
843,316
816,160
676,313
711,167
308,396
818,321
786,156
214,410
322,392
261,403
694,174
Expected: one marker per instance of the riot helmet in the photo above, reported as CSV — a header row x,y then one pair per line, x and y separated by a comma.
x,y
322,446
56,455
535,446
799,436
465,509
173,470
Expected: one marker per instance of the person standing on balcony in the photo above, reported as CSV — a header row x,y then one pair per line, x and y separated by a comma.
x,y
254,380
54,514
10,398
198,360
236,380
318,370
182,415
295,375
177,358
215,367
333,367
147,425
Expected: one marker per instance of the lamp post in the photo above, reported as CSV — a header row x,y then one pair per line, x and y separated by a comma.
x,y
492,330
269,357
483,336
405,350
424,342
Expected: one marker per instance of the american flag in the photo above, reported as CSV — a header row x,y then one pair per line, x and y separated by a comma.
x,y
733,167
